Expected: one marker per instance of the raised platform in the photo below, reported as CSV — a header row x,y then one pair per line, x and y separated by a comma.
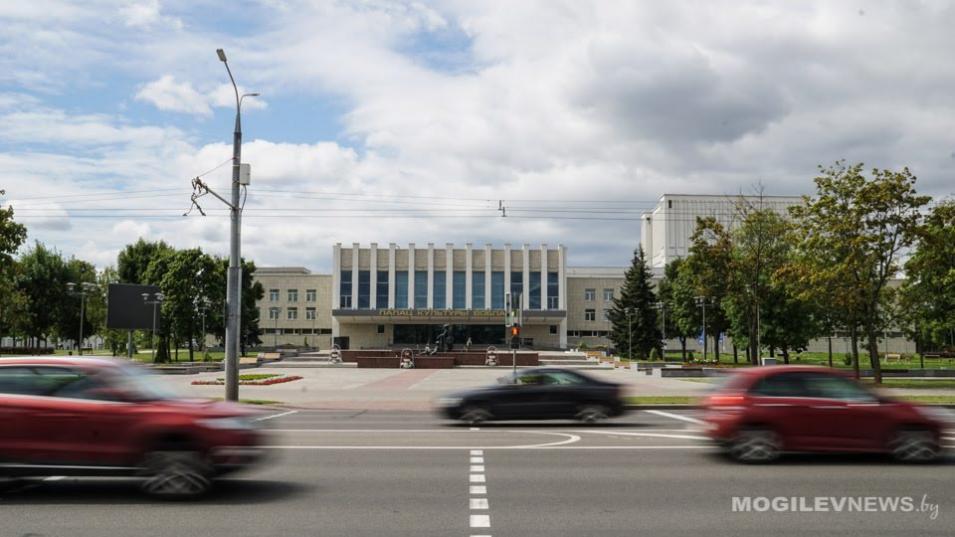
x,y
445,360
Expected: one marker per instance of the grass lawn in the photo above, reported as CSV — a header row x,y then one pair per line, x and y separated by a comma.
x,y
916,384
147,356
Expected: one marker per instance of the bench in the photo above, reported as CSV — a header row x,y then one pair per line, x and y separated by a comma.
x,y
893,356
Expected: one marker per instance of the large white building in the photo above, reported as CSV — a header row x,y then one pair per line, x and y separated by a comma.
x,y
666,230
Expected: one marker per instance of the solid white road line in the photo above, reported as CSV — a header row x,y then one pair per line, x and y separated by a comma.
x,y
474,429
480,521
651,435
477,452
674,416
543,447
479,503
477,468
477,478
279,415
477,489
477,460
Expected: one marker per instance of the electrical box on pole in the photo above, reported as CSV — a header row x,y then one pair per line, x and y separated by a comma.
x,y
245,174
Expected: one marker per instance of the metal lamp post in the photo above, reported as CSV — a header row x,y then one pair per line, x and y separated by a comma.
x,y
81,290
274,312
156,300
629,334
701,301
663,325
234,285
203,304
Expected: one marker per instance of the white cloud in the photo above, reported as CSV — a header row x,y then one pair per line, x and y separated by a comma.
x,y
168,94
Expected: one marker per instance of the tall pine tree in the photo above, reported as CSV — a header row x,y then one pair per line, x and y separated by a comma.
x,y
641,328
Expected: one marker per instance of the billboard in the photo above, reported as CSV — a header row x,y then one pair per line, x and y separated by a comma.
x,y
126,309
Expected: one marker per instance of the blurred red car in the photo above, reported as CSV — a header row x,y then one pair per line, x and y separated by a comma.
x,y
759,413
94,417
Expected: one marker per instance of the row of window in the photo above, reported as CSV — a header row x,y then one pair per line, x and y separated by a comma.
x,y
310,295
591,314
591,294
588,333
297,331
291,313
439,286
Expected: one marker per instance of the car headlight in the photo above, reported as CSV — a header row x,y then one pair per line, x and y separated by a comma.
x,y
448,401
230,423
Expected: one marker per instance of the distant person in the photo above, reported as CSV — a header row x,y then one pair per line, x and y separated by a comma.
x,y
467,344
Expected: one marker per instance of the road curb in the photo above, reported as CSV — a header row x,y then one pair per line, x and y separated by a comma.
x,y
698,407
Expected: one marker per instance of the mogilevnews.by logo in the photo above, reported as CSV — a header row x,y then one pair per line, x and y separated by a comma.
x,y
835,504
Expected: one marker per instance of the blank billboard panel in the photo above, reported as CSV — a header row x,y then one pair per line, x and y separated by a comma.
x,y
126,309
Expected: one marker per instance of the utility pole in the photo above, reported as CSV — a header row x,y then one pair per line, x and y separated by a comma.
x,y
155,302
701,301
629,334
81,290
663,326
233,326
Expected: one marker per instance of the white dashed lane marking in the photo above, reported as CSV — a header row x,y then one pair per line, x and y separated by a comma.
x,y
477,460
674,416
477,468
480,521
478,493
479,503
477,478
477,489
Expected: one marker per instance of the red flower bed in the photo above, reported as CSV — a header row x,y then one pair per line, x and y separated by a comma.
x,y
264,382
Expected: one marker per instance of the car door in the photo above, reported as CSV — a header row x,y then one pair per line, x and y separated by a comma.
x,y
851,416
524,398
15,431
783,402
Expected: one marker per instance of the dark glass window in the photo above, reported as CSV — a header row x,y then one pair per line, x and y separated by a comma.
x,y
364,289
421,289
459,292
401,288
381,289
440,289
553,290
477,290
497,290
534,298
345,289
517,288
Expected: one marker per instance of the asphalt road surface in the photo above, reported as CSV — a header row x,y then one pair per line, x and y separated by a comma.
x,y
412,474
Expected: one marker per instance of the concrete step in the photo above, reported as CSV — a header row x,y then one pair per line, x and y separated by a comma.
x,y
548,361
292,364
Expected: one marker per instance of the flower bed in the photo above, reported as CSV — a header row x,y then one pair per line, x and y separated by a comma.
x,y
260,382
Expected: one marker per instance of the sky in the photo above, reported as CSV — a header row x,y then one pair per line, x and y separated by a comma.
x,y
410,121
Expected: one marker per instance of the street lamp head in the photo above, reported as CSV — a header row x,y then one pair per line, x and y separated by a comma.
x,y
253,94
160,297
70,287
145,297
221,54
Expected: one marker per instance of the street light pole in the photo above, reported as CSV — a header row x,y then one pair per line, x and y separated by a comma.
x,y
84,289
234,279
155,302
629,334
701,301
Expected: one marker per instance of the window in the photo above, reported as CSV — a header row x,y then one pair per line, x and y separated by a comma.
x,y
401,289
553,329
310,314
364,289
669,204
477,290
274,314
781,385
608,295
292,314
293,295
459,291
497,290
534,298
273,295
18,380
517,288
606,314
381,329
440,290
590,315
590,294
345,289
834,387
310,295
381,290
553,290
421,289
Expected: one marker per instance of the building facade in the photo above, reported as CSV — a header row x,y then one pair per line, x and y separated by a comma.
x,y
666,230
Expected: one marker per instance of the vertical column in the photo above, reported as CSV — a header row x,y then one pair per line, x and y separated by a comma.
x,y
488,267
336,284
373,277
468,277
507,270
354,275
391,275
449,275
411,272
544,299
526,277
562,292
430,275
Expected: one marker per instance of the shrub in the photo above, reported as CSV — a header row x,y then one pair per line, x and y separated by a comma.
x,y
654,354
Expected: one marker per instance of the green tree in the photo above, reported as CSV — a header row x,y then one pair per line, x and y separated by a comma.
x,y
928,294
708,267
853,232
133,261
636,297
68,312
190,277
677,297
12,236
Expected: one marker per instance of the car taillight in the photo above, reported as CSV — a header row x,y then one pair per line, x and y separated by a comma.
x,y
726,400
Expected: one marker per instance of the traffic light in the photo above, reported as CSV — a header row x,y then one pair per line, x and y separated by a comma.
x,y
516,336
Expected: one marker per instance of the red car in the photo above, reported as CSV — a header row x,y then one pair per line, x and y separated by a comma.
x,y
95,417
758,413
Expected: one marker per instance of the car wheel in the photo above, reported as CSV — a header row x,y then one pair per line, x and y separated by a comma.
x,y
176,474
914,445
592,413
755,446
475,415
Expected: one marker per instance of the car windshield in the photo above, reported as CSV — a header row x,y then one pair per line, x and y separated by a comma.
x,y
143,385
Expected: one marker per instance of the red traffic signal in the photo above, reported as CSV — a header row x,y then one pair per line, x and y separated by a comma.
x,y
515,330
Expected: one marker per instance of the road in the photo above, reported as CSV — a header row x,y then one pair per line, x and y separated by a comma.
x,y
411,474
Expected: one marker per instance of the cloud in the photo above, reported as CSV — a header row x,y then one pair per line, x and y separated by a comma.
x,y
167,94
